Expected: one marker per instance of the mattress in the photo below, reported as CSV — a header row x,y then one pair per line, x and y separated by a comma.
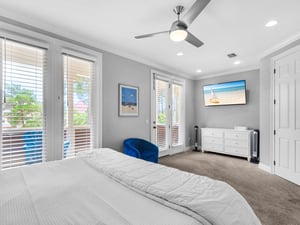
x,y
107,187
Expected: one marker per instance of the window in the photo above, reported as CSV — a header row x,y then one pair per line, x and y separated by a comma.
x,y
49,110
162,105
78,121
177,114
22,129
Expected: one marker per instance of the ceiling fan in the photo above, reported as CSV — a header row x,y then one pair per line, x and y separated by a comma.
x,y
179,28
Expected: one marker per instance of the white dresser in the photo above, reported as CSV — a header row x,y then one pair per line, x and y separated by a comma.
x,y
226,141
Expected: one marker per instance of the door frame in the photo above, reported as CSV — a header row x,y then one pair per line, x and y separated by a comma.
x,y
154,72
272,105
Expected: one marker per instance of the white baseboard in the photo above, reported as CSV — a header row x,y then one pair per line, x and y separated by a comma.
x,y
264,167
187,148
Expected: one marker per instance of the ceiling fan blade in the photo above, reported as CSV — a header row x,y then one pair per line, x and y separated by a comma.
x,y
151,35
194,11
193,40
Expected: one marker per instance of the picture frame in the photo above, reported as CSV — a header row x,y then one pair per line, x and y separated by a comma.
x,y
128,100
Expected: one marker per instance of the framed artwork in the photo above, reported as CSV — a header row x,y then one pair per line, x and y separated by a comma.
x,y
128,100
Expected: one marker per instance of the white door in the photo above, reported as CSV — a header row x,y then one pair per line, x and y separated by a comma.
x,y
287,117
167,114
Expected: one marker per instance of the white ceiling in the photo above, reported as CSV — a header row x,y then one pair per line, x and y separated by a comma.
x,y
225,26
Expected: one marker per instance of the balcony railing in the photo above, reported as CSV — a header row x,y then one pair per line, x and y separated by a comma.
x,y
162,136
14,152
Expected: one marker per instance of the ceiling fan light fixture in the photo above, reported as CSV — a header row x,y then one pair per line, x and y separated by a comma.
x,y
178,35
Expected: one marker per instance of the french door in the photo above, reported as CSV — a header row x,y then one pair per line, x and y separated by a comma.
x,y
167,114
36,125
22,131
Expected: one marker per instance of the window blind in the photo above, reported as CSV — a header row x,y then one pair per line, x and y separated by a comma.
x,y
162,105
22,129
177,117
78,119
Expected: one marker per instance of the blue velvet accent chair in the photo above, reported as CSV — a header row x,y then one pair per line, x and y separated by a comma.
x,y
142,149
33,146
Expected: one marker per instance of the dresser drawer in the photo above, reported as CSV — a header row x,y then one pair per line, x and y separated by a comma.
x,y
212,132
212,147
212,140
236,151
236,143
236,135
226,141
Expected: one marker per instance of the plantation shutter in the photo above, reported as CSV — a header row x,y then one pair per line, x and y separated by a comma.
x,y
177,114
162,109
79,77
22,129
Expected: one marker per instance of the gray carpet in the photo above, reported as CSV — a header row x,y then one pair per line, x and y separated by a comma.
x,y
274,200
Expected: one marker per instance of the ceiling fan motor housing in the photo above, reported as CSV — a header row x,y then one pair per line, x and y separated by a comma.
x,y
178,25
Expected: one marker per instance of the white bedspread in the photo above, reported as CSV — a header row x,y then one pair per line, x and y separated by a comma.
x,y
107,187
71,192
209,201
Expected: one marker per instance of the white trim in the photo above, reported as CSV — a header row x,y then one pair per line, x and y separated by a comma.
x,y
229,72
155,74
55,46
176,151
264,167
98,46
1,90
161,75
12,35
33,25
96,57
79,54
281,45
287,52
188,148
272,116
272,106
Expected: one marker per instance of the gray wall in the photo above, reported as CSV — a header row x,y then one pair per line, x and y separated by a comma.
x,y
117,69
190,116
266,98
231,115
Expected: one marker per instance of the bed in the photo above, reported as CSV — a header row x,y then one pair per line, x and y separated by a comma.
x,y
104,186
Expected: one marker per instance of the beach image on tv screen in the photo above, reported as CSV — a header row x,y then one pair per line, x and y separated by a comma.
x,y
229,93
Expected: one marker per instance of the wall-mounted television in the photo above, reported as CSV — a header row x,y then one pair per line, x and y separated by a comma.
x,y
227,93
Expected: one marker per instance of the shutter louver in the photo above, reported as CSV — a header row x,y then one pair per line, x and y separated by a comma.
x,y
177,124
78,121
22,129
162,104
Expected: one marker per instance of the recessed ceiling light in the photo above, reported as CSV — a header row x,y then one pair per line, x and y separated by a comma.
x,y
237,62
179,54
271,23
198,71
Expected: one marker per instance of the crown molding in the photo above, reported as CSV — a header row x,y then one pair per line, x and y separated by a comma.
x,y
54,32
281,45
228,72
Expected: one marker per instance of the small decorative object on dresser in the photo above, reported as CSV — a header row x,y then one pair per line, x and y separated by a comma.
x,y
226,141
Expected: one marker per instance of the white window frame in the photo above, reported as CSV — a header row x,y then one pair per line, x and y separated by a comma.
x,y
53,104
174,80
